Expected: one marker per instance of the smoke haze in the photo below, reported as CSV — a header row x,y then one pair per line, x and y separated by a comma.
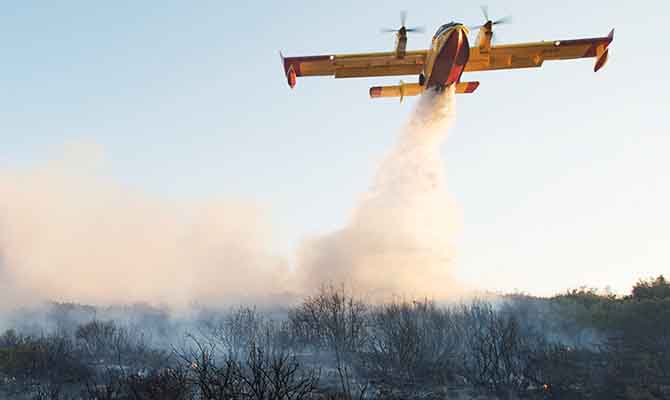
x,y
67,233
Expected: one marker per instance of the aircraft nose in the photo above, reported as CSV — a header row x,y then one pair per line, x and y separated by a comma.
x,y
463,30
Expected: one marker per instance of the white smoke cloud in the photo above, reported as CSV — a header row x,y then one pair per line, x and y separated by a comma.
x,y
399,240
68,234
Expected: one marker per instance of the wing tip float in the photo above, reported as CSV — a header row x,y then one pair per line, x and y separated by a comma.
x,y
289,71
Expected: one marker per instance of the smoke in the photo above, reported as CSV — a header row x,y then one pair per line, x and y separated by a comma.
x,y
399,240
67,233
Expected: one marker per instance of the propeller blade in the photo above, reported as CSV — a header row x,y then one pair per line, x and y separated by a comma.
x,y
485,12
403,21
503,21
418,29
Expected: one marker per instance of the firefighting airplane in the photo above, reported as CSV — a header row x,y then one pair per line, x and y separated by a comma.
x,y
448,57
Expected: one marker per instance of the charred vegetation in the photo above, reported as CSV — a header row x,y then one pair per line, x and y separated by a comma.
x,y
578,345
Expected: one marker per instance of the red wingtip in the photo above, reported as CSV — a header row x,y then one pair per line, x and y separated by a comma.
x,y
601,61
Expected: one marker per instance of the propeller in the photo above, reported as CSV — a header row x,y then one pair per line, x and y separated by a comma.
x,y
491,23
403,28
501,21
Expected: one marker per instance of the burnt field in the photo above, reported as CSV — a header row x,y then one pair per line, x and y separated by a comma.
x,y
578,345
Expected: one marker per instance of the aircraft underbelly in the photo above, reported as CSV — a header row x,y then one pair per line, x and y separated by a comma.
x,y
450,61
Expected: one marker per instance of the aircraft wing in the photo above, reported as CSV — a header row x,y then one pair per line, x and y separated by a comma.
x,y
354,65
530,55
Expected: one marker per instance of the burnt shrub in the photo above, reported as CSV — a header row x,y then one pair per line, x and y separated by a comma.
x,y
410,344
52,358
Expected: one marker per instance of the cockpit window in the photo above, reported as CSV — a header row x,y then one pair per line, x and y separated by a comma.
x,y
444,28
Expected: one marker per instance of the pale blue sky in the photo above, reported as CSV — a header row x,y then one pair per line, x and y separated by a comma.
x,y
561,174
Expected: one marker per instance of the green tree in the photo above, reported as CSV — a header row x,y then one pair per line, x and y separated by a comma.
x,y
658,288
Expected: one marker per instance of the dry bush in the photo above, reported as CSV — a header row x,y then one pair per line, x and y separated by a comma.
x,y
411,344
495,352
236,331
258,374
336,323
166,384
